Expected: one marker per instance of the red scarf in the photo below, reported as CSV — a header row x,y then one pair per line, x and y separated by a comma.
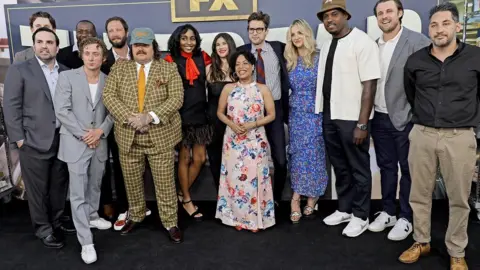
x,y
191,70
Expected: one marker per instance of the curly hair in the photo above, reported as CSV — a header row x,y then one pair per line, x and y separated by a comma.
x,y
93,40
174,40
233,62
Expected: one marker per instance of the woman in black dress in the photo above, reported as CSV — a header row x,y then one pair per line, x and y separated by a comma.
x,y
185,51
218,75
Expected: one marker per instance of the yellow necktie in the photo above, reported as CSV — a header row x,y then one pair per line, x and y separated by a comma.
x,y
141,88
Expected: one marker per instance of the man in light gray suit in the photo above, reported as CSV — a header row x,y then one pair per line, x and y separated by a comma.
x,y
391,123
37,20
83,139
31,124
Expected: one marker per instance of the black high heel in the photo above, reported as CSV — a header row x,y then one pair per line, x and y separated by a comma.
x,y
193,215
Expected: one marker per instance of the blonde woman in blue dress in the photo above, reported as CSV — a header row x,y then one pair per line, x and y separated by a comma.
x,y
306,151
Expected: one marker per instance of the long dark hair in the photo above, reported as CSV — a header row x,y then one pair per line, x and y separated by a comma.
x,y
174,40
233,62
216,73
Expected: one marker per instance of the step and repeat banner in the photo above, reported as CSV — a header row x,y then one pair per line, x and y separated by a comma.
x,y
210,17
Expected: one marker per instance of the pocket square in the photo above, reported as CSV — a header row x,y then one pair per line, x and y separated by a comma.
x,y
161,82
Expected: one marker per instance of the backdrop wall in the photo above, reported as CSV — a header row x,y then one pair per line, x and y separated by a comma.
x,y
163,17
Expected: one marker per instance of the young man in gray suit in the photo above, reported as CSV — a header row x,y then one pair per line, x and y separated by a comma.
x,y
391,122
83,142
37,20
31,123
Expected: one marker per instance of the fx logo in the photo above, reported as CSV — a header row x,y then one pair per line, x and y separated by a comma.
x,y
211,10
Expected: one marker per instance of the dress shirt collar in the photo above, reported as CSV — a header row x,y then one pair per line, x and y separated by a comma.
x,y
42,64
395,39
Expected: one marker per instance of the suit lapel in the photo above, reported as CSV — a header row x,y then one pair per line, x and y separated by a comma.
x,y
101,84
84,84
150,87
132,87
38,73
398,50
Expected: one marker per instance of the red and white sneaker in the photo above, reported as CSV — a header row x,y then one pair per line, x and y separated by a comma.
x,y
122,220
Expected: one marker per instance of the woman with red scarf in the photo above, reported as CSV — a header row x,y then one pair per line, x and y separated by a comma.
x,y
185,51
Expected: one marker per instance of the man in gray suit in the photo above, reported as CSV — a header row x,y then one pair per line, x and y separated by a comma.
x,y
391,123
31,123
83,139
37,20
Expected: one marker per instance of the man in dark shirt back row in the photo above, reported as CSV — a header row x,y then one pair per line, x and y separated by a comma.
x,y
442,87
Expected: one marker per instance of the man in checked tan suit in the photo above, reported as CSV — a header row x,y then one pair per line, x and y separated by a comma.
x,y
144,96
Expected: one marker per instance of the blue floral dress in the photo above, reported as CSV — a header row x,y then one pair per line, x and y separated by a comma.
x,y
245,197
306,150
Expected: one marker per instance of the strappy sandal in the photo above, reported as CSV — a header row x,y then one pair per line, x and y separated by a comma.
x,y
193,215
309,211
295,216
180,197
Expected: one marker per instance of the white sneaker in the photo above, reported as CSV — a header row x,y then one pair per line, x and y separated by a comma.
x,y
337,218
382,222
100,224
355,227
122,219
89,255
403,228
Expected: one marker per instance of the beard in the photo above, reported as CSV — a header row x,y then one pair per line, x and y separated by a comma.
x,y
119,44
388,28
444,42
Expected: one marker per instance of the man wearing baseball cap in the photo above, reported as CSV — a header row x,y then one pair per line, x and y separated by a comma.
x,y
147,125
348,70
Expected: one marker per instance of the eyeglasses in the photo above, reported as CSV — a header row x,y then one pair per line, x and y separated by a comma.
x,y
258,30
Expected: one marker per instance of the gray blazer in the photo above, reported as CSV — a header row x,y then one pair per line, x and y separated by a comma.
x,y
24,55
398,107
28,105
77,113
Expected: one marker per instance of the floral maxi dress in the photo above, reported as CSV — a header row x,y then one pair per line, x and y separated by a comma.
x,y
245,197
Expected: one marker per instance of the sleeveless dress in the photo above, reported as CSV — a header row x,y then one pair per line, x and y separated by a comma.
x,y
308,171
245,197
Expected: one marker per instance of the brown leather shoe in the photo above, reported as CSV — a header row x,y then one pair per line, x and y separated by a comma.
x,y
129,227
412,254
176,236
458,264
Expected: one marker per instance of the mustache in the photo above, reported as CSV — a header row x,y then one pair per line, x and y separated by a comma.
x,y
140,52
331,23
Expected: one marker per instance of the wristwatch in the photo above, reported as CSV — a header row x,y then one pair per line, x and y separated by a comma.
x,y
362,126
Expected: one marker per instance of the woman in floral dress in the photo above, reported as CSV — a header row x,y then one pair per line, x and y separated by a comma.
x,y
245,197
307,165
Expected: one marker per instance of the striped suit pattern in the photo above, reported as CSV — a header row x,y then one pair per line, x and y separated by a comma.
x,y
164,97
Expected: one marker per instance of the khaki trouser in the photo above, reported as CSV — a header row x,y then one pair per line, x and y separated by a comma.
x,y
456,152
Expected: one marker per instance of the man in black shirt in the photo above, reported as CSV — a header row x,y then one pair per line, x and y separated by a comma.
x,y
68,56
442,86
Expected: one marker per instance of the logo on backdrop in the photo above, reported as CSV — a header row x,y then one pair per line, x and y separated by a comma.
x,y
211,10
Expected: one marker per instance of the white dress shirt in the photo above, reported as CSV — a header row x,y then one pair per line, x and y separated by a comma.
x,y
146,69
386,52
117,56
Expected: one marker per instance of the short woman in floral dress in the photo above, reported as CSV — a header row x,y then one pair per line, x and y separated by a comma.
x,y
245,197
308,171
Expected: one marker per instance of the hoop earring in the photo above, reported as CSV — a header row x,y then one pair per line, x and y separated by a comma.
x,y
235,74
